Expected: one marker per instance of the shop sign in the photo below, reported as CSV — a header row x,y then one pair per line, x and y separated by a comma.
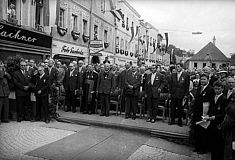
x,y
72,50
96,46
68,49
20,35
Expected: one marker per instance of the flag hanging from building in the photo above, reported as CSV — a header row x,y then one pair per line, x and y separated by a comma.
x,y
120,13
166,37
137,30
57,12
46,13
159,40
116,14
132,33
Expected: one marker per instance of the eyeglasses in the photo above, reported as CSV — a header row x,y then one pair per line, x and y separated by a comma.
x,y
22,65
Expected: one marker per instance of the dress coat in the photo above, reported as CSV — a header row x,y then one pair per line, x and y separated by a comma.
x,y
179,88
105,83
135,81
21,80
72,83
228,130
152,89
43,85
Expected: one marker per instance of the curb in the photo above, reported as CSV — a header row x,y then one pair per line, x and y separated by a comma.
x,y
171,136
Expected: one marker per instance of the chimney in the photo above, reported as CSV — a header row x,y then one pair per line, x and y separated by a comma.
x,y
214,40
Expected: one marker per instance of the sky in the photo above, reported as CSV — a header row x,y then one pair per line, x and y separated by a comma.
x,y
179,18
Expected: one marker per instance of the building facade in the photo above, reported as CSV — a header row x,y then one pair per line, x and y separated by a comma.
x,y
21,29
209,55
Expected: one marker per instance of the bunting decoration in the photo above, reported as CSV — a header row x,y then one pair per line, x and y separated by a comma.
x,y
137,30
116,14
166,37
159,40
132,33
57,12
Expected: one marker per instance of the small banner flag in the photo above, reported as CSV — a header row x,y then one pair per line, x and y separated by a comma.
x,y
166,37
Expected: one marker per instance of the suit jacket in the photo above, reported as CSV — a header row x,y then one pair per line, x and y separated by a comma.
x,y
218,110
53,76
225,92
89,76
152,89
105,82
133,80
143,79
43,85
179,89
207,95
121,78
4,88
72,83
20,81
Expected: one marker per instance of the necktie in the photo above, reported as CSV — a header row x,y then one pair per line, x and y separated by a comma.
x,y
216,98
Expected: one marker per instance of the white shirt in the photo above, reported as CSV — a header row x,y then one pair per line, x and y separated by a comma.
x,y
204,87
49,69
179,74
42,75
217,97
230,91
71,72
23,72
153,77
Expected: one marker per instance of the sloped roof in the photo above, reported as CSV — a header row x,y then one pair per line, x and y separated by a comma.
x,y
213,51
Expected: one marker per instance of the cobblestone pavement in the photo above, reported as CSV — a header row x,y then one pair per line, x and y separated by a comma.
x,y
16,139
151,153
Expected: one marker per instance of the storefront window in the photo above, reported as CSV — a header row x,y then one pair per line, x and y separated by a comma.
x,y
84,27
38,14
61,18
11,10
117,42
126,45
105,36
75,23
122,44
95,32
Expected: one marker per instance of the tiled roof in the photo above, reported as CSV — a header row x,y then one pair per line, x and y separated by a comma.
x,y
213,51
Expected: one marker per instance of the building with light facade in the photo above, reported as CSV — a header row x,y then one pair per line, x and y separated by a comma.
x,y
68,30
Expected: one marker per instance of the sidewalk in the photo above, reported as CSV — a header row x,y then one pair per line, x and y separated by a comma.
x,y
159,128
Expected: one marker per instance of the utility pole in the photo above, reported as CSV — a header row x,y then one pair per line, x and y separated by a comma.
x,y
89,53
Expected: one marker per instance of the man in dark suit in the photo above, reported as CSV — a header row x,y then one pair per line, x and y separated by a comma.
x,y
131,92
41,93
72,86
121,82
4,93
216,115
154,84
21,80
105,87
179,90
52,72
230,87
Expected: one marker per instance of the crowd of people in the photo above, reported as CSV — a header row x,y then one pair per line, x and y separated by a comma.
x,y
208,94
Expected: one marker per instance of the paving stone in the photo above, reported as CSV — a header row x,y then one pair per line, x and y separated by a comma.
x,y
16,139
151,153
